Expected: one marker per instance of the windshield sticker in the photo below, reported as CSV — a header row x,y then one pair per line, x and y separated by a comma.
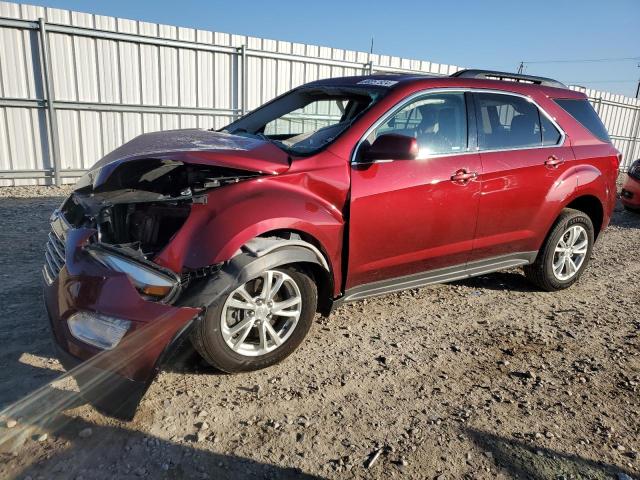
x,y
378,83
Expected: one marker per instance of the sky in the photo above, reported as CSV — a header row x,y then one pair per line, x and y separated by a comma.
x,y
490,34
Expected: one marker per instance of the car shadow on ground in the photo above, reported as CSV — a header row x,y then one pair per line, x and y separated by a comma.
x,y
117,452
523,460
508,280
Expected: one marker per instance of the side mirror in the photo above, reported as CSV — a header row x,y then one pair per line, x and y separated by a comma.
x,y
392,146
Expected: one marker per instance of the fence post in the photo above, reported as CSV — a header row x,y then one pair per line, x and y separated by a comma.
x,y
634,134
242,78
51,110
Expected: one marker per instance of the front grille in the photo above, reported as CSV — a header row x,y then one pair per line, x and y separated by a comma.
x,y
54,258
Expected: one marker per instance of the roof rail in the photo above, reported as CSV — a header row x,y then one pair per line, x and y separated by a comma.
x,y
510,77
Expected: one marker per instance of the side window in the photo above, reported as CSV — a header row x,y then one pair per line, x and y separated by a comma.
x,y
584,113
550,134
437,121
507,121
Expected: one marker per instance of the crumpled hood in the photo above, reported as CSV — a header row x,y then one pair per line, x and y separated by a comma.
x,y
194,146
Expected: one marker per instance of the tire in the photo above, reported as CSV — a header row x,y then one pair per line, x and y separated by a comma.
x,y
541,272
211,335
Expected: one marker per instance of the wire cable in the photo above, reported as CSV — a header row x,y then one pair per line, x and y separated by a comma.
x,y
585,60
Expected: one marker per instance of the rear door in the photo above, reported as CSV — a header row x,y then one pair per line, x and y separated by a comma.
x,y
523,155
410,216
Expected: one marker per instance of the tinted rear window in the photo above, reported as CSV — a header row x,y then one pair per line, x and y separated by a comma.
x,y
506,122
584,113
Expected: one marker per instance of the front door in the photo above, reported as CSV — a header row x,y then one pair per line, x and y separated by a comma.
x,y
411,216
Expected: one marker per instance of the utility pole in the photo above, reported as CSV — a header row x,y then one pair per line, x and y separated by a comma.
x,y
638,87
521,67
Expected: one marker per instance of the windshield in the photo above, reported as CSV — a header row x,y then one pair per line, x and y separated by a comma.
x,y
306,119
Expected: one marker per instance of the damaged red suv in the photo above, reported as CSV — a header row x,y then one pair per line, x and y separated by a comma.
x,y
338,190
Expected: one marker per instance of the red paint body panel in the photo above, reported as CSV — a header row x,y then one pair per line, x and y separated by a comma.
x,y
515,184
408,216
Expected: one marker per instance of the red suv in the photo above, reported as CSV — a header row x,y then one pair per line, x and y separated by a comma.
x,y
338,190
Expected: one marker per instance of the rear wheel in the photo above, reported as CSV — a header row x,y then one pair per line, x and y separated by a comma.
x,y
259,323
565,254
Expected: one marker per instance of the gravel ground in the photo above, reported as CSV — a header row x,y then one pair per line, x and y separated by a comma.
x,y
484,378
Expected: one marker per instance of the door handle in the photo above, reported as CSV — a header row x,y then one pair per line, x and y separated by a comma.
x,y
553,161
463,177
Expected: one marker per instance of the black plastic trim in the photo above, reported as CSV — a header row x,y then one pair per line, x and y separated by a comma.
x,y
501,76
440,275
239,270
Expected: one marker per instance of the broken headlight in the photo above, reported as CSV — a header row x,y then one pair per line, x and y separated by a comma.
x,y
151,283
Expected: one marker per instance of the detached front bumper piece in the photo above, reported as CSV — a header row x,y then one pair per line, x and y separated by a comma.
x,y
107,391
113,380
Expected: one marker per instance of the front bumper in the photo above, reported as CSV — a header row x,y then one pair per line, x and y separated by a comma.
x,y
112,380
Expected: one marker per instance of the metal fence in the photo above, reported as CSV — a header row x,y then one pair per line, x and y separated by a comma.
x,y
74,86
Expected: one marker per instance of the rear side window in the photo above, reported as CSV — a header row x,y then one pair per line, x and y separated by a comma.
x,y
584,113
507,121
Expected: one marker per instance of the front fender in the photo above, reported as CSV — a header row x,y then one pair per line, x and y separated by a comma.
x,y
234,215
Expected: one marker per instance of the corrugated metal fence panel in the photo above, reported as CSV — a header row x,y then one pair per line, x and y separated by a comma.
x,y
23,138
114,79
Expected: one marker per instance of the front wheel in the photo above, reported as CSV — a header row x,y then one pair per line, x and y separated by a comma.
x,y
565,254
259,323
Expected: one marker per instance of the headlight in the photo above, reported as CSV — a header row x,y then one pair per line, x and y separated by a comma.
x,y
147,280
98,330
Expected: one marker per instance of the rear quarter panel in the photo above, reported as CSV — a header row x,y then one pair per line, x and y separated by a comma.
x,y
595,166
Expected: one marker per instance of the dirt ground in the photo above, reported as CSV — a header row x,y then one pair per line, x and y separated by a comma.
x,y
483,378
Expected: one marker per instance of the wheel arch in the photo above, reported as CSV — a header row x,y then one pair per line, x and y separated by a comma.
x,y
581,188
320,270
592,207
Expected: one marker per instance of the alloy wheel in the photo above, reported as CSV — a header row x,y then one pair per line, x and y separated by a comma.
x,y
260,315
570,252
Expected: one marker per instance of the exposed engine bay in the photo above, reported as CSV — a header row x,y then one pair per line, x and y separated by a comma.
x,y
144,203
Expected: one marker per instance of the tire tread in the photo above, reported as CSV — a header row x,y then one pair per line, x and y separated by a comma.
x,y
538,273
202,340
